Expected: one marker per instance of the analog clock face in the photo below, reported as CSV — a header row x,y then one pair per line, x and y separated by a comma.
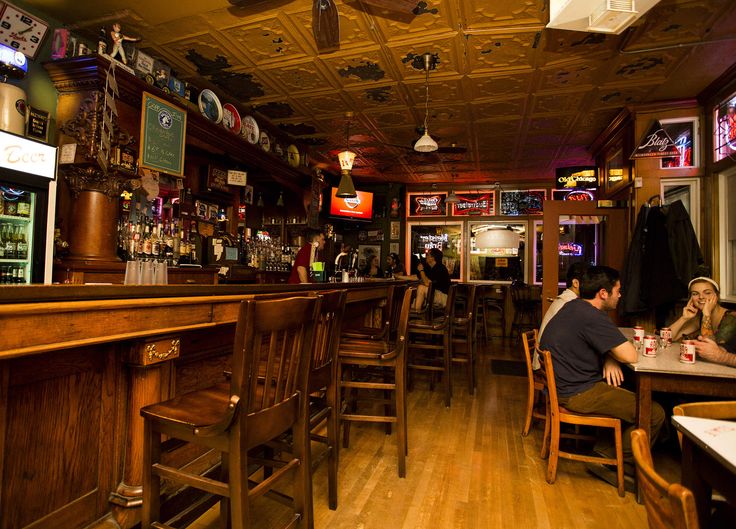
x,y
21,31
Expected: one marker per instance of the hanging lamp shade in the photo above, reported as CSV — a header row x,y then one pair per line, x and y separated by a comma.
x,y
497,239
259,203
452,198
346,158
425,143
280,201
346,189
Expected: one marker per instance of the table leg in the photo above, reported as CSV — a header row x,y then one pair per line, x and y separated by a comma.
x,y
693,480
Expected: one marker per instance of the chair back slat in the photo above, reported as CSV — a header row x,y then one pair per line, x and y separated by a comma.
x,y
396,304
273,349
529,339
668,505
545,361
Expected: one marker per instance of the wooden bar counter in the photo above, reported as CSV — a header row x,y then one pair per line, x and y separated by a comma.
x,y
76,365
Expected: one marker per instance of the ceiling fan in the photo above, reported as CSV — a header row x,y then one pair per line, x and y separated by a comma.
x,y
326,21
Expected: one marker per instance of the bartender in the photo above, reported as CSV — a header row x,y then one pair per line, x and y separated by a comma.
x,y
306,256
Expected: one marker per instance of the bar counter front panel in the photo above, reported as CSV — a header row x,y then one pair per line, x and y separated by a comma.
x,y
76,365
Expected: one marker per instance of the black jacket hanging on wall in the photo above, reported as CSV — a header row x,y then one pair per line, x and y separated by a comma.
x,y
664,255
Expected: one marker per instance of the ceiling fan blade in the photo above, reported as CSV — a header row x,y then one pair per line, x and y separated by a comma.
x,y
325,25
406,6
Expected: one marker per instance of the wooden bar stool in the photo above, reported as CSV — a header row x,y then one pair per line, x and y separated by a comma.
x,y
427,355
378,366
265,398
556,415
463,350
375,333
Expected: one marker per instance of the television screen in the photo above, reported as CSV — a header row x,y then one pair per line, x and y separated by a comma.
x,y
358,208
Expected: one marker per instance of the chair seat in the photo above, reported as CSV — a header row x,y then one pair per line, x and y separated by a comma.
x,y
435,325
196,409
370,333
366,351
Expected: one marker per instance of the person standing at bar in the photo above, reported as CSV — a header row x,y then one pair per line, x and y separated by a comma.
x,y
300,272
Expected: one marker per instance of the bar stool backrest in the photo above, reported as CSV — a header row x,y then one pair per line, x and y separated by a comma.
x,y
327,340
272,353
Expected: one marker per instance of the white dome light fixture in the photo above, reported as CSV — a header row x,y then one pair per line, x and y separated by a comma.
x,y
497,238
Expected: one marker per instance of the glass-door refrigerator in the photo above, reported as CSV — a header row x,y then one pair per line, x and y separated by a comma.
x,y
27,209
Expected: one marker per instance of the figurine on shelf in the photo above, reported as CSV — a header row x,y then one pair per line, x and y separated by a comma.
x,y
117,43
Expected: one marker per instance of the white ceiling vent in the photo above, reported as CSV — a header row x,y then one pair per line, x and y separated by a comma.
x,y
612,16
599,16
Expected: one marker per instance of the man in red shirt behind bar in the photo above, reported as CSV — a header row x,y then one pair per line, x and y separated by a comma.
x,y
300,272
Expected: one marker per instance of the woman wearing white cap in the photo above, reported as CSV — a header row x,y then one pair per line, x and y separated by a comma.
x,y
714,321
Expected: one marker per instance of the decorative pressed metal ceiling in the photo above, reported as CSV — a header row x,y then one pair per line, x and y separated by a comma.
x,y
522,98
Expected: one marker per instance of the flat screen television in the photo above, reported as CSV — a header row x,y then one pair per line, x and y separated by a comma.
x,y
358,208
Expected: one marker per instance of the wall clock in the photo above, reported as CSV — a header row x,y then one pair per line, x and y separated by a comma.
x,y
21,31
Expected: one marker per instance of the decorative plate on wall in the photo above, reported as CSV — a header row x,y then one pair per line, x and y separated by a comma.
x,y
249,130
265,141
210,106
292,155
231,118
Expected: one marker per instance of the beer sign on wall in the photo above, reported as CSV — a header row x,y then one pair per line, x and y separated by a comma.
x,y
576,176
522,202
474,204
427,204
656,143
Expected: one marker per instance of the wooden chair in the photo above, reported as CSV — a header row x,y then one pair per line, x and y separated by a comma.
x,y
480,313
725,410
535,386
378,366
265,398
426,354
669,506
557,415
463,350
494,300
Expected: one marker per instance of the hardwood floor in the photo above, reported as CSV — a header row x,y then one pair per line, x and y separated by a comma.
x,y
468,467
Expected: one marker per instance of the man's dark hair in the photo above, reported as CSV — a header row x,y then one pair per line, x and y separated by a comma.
x,y
436,253
312,234
576,271
596,278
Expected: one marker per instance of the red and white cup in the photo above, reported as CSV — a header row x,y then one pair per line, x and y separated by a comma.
x,y
638,336
650,345
665,336
687,352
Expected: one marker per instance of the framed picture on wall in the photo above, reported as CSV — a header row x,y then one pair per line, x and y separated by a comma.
x,y
366,252
616,175
395,230
684,132
248,195
393,248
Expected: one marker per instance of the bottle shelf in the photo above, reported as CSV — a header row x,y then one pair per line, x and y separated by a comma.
x,y
14,261
15,218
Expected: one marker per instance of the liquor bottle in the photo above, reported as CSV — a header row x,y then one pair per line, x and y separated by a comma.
x,y
23,209
10,246
11,206
21,243
176,248
21,275
194,243
155,241
14,275
183,247
3,230
168,244
147,242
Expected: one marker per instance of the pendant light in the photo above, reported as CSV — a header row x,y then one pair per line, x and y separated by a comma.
x,y
346,189
280,201
259,203
452,198
426,143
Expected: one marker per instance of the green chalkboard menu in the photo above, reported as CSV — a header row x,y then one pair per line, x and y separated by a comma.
x,y
163,131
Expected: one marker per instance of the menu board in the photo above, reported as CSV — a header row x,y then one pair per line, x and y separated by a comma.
x,y
163,131
475,204
522,202
427,204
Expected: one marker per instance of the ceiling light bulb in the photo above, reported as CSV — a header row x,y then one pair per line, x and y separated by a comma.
x,y
426,143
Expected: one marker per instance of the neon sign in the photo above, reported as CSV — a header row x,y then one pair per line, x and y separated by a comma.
x,y
571,249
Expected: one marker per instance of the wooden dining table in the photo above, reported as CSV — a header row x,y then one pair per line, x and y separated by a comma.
x,y
708,460
666,373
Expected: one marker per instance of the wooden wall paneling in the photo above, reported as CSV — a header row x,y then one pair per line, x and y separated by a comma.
x,y
58,449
